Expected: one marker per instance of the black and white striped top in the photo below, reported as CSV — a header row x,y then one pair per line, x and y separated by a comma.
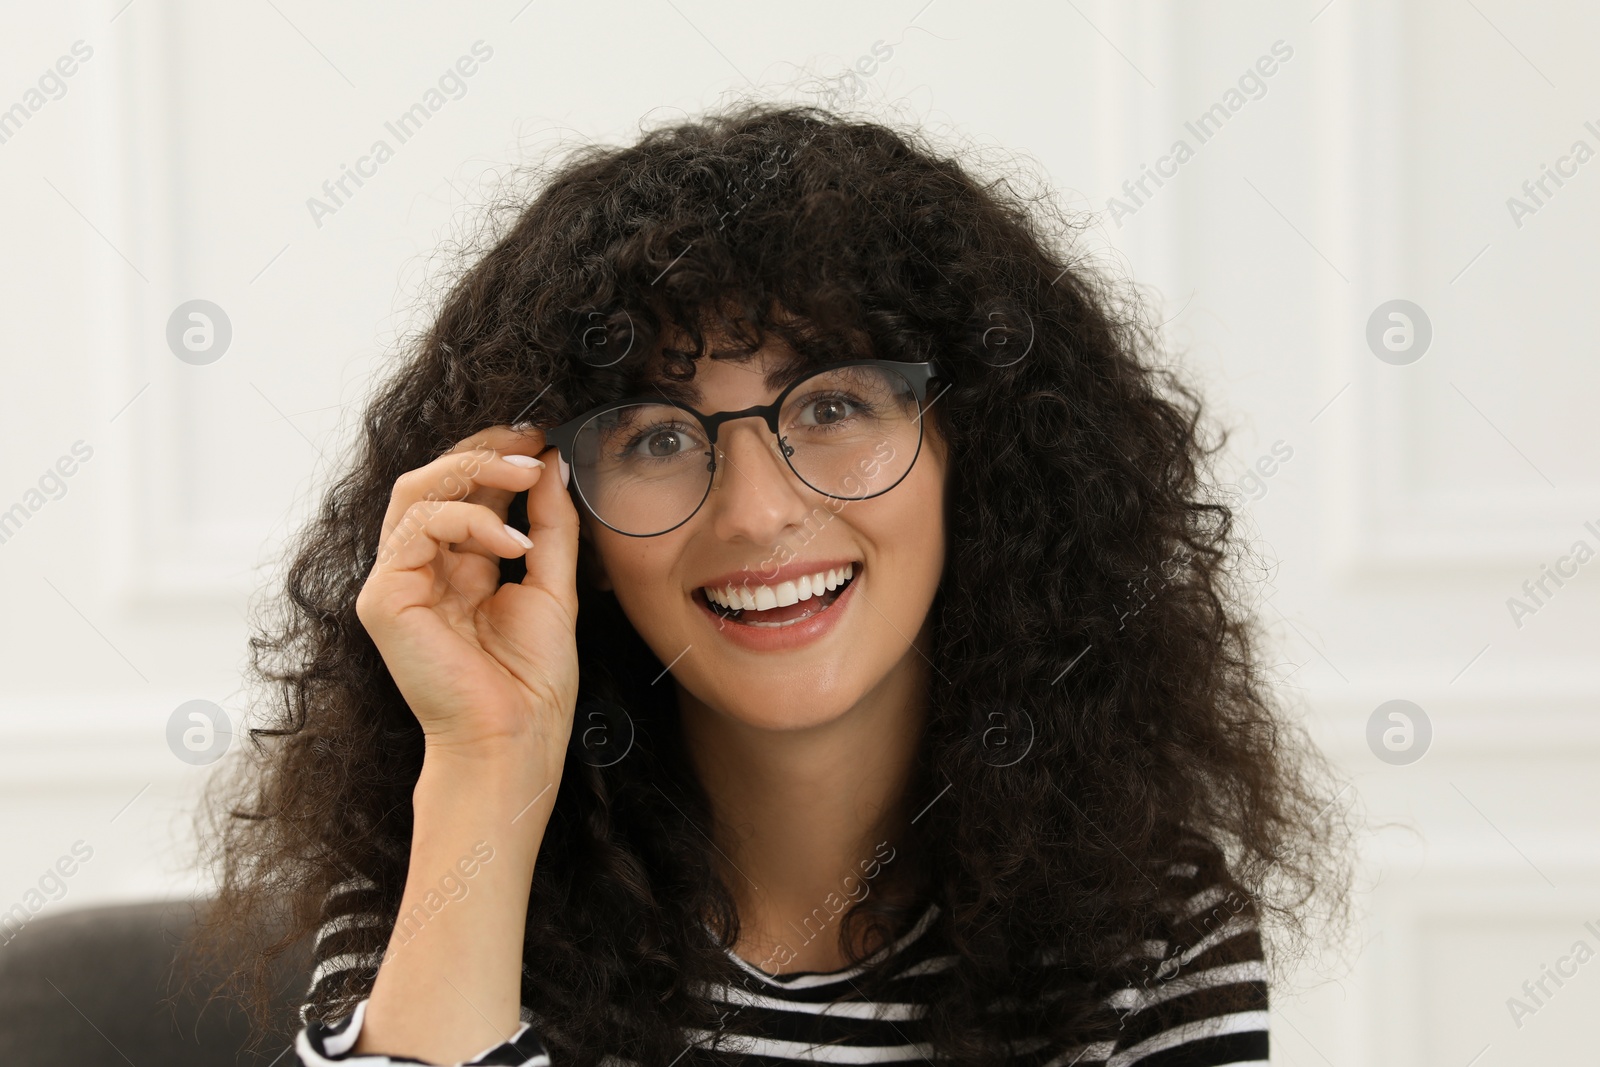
x,y
1204,1004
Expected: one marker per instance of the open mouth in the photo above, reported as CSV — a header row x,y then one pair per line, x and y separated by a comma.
x,y
788,614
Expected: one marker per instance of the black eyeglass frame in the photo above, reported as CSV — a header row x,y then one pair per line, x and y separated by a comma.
x,y
918,375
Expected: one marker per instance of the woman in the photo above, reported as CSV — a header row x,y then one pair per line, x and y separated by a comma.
x,y
776,614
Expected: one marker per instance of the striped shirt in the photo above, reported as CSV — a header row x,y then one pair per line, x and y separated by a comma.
x,y
1203,1004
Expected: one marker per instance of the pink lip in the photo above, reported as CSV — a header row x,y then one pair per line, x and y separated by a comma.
x,y
789,572
782,638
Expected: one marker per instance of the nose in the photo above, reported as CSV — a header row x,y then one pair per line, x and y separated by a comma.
x,y
755,496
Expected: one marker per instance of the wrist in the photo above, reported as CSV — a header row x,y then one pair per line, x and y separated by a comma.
x,y
499,758
510,782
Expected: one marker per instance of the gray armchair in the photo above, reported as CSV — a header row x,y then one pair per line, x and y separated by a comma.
x,y
89,987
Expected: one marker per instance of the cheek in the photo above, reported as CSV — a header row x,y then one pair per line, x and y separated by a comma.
x,y
630,572
639,572
911,533
930,514
927,499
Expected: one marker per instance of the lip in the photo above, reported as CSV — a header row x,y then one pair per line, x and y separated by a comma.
x,y
789,572
781,639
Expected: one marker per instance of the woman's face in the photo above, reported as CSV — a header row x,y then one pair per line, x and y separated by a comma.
x,y
762,525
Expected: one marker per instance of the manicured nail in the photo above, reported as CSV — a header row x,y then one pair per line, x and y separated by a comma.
x,y
520,537
566,470
518,460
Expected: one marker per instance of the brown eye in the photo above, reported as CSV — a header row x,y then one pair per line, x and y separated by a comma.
x,y
663,443
831,409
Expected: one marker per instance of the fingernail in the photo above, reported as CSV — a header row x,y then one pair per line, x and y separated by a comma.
x,y
520,537
518,460
522,427
566,471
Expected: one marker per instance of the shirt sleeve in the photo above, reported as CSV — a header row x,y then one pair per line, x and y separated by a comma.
x,y
346,952
1203,999
320,1043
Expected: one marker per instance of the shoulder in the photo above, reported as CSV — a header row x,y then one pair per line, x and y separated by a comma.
x,y
1201,996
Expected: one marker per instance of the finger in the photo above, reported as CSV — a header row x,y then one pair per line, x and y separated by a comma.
x,y
553,528
506,440
458,475
430,527
503,438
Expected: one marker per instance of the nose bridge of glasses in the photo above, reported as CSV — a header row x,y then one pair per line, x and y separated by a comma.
x,y
763,429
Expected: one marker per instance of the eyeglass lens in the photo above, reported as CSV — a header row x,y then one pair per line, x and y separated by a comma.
x,y
849,432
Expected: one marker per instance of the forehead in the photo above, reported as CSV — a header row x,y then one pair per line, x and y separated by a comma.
x,y
774,366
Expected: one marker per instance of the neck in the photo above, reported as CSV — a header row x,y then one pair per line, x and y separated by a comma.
x,y
810,820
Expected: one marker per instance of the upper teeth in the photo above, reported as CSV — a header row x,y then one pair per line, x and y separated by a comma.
x,y
762,597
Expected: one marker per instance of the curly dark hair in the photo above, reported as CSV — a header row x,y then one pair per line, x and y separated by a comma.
x,y
1089,613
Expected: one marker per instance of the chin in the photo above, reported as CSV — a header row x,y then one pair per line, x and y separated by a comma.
x,y
800,706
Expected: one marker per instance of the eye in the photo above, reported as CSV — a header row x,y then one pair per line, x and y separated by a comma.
x,y
828,409
662,441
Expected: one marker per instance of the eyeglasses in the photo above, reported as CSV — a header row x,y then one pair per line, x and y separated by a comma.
x,y
645,464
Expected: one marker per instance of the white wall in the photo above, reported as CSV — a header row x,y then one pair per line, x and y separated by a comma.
x,y
1376,165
